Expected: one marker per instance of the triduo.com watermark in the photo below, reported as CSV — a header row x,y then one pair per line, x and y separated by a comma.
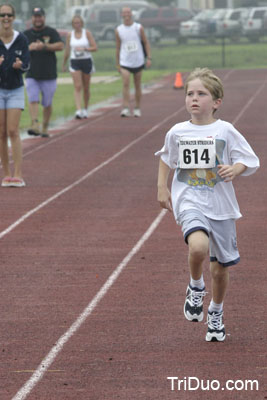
x,y
193,383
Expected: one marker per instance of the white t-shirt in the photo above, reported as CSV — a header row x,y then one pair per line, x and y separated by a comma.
x,y
8,45
131,51
76,43
202,188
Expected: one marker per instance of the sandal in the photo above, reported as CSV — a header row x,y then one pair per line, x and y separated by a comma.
x,y
6,181
17,182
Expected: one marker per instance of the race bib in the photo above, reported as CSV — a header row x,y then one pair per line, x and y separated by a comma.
x,y
197,153
78,54
131,46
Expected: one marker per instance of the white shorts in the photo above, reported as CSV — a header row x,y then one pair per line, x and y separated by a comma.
x,y
221,233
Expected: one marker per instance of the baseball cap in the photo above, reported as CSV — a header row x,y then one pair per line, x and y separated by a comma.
x,y
38,11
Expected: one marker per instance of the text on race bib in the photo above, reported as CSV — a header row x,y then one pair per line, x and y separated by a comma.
x,y
131,46
197,153
78,53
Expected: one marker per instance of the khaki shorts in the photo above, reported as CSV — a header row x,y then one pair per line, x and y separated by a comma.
x,y
221,233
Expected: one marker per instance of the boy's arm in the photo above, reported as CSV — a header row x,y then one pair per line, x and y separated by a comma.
x,y
229,172
164,195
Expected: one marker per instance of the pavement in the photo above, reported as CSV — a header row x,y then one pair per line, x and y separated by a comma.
x,y
94,79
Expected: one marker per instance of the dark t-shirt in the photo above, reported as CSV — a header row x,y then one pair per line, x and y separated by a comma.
x,y
43,62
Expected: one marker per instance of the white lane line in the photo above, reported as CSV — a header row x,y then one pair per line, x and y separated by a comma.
x,y
48,360
249,102
84,177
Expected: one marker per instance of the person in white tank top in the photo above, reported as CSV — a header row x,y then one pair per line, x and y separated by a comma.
x,y
130,58
80,44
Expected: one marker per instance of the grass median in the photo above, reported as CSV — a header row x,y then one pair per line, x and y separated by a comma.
x,y
168,57
63,103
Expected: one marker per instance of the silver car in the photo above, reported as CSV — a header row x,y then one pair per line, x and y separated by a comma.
x,y
201,26
231,25
253,26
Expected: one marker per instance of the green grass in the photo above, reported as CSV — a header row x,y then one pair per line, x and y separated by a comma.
x,y
168,57
63,103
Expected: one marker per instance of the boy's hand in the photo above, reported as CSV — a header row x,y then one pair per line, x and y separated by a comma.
x,y
164,198
229,172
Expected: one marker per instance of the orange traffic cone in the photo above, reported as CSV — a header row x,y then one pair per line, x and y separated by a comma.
x,y
178,84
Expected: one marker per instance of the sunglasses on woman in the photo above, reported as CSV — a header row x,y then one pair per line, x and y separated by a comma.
x,y
2,15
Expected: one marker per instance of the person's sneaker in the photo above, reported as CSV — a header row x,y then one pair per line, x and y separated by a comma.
x,y
137,112
84,113
34,130
193,306
45,133
125,112
78,114
216,331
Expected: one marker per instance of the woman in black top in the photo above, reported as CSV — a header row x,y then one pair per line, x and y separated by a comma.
x,y
14,60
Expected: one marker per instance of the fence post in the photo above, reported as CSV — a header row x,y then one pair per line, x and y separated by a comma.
x,y
223,51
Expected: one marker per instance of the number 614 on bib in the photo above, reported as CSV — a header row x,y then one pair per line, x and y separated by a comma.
x,y
197,153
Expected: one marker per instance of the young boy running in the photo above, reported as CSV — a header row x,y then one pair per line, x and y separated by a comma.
x,y
207,154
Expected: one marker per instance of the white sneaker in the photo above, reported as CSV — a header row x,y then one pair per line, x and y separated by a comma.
x,y
193,306
84,113
137,112
125,112
78,114
216,330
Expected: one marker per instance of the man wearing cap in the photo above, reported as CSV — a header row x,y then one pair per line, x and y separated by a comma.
x,y
44,41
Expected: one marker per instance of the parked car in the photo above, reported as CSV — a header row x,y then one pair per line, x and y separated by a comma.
x,y
102,18
165,20
253,27
200,26
231,25
264,22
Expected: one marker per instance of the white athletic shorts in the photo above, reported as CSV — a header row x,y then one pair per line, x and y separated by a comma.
x,y
221,233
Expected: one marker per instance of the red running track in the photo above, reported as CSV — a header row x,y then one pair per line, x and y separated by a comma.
x,y
91,309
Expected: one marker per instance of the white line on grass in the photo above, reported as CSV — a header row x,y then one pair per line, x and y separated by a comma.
x,y
48,360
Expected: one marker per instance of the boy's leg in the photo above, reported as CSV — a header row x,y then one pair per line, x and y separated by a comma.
x,y
219,284
198,243
219,281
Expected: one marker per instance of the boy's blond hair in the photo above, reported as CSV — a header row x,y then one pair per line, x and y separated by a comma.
x,y
211,82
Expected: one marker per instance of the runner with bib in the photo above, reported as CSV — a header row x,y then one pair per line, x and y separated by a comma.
x,y
130,58
207,154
